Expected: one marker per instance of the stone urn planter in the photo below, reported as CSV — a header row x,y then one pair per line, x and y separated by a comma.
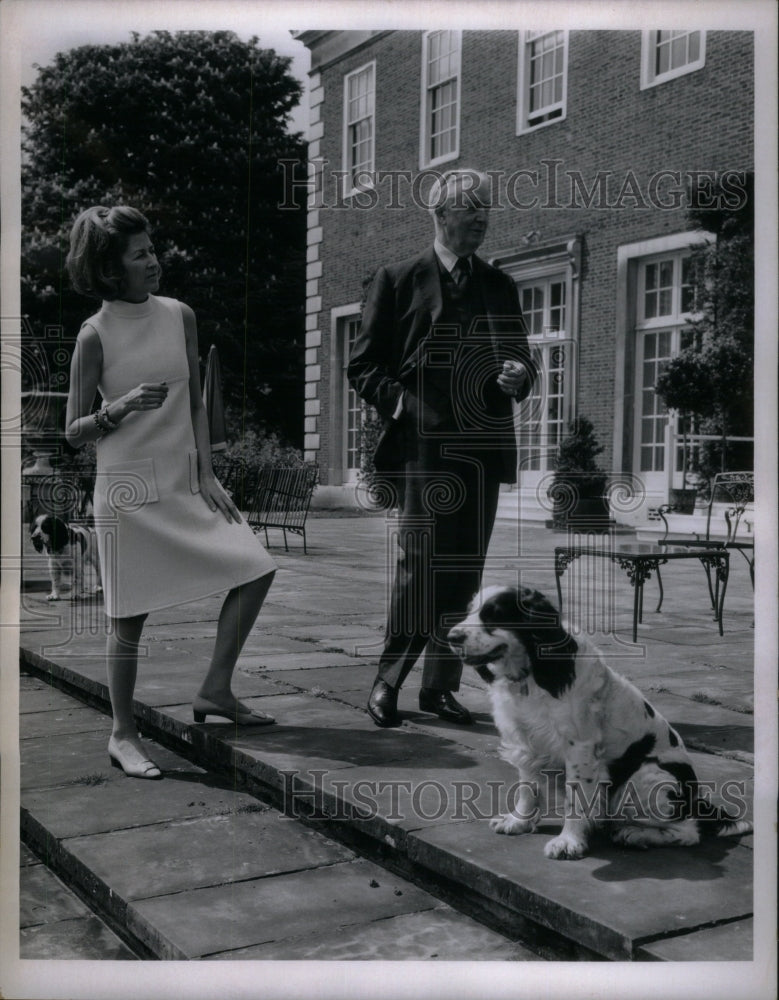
x,y
580,502
43,427
578,489
683,501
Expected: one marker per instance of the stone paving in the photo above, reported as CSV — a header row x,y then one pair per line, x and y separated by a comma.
x,y
55,924
414,799
193,867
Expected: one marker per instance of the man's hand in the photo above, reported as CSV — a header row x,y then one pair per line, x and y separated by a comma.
x,y
513,378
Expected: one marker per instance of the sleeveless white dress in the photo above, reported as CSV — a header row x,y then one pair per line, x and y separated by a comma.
x,y
159,542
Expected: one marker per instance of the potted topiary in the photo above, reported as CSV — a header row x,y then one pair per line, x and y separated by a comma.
x,y
578,489
683,386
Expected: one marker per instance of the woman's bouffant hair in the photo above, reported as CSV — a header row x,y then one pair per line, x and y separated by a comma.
x,y
97,241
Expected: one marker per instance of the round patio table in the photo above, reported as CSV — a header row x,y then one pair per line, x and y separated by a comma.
x,y
639,560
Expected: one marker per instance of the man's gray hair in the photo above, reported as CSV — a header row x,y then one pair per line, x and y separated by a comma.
x,y
459,187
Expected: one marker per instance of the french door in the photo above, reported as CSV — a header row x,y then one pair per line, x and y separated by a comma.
x,y
542,417
352,406
664,303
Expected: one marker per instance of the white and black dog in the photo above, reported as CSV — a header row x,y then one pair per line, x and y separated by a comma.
x,y
68,546
558,707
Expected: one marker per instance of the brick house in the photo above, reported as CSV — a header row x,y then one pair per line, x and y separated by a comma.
x,y
593,140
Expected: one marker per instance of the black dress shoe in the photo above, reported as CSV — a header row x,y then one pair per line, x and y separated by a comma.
x,y
383,704
443,704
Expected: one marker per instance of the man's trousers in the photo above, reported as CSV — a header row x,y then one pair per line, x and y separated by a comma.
x,y
447,514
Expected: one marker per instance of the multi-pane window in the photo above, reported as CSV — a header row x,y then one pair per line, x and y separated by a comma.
x,y
656,353
543,62
689,290
668,54
659,288
543,413
359,127
665,300
441,96
352,404
674,49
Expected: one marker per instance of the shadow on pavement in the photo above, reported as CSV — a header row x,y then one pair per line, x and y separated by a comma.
x,y
700,863
356,746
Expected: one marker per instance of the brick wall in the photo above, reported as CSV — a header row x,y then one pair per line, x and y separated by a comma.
x,y
700,121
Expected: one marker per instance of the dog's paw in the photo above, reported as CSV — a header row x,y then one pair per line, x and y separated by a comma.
x,y
512,825
630,836
565,846
52,597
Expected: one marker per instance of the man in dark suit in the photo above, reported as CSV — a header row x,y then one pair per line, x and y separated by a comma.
x,y
441,352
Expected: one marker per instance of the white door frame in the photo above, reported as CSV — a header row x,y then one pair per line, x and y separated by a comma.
x,y
625,404
339,475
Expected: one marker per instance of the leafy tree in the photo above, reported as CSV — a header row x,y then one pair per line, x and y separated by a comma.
x,y
188,128
713,378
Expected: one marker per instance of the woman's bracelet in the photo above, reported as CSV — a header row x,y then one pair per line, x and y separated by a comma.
x,y
113,424
103,422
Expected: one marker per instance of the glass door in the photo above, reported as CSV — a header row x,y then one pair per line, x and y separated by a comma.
x,y
664,303
543,416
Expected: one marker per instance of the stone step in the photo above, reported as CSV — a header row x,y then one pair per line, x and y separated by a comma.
x,y
55,924
415,798
193,867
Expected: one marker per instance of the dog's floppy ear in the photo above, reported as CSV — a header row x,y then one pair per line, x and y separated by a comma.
x,y
551,650
35,534
57,531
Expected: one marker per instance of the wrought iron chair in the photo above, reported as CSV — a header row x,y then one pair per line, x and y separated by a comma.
x,y
732,493
282,500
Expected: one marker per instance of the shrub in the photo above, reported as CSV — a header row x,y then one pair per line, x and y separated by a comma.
x,y
576,458
370,431
254,450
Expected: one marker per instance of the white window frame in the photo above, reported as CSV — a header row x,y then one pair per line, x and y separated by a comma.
x,y
545,342
561,262
339,474
675,322
650,78
349,187
546,278
526,39
426,111
629,258
675,317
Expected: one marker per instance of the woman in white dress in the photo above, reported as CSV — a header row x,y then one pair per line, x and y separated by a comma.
x,y
167,531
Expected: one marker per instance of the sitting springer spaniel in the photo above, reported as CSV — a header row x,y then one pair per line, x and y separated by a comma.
x,y
66,544
558,707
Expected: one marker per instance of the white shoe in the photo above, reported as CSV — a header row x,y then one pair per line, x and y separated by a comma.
x,y
134,765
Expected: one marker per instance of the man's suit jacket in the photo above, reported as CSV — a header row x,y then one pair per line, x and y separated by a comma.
x,y
399,339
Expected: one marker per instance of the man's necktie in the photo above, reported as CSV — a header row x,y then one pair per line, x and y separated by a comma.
x,y
461,272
